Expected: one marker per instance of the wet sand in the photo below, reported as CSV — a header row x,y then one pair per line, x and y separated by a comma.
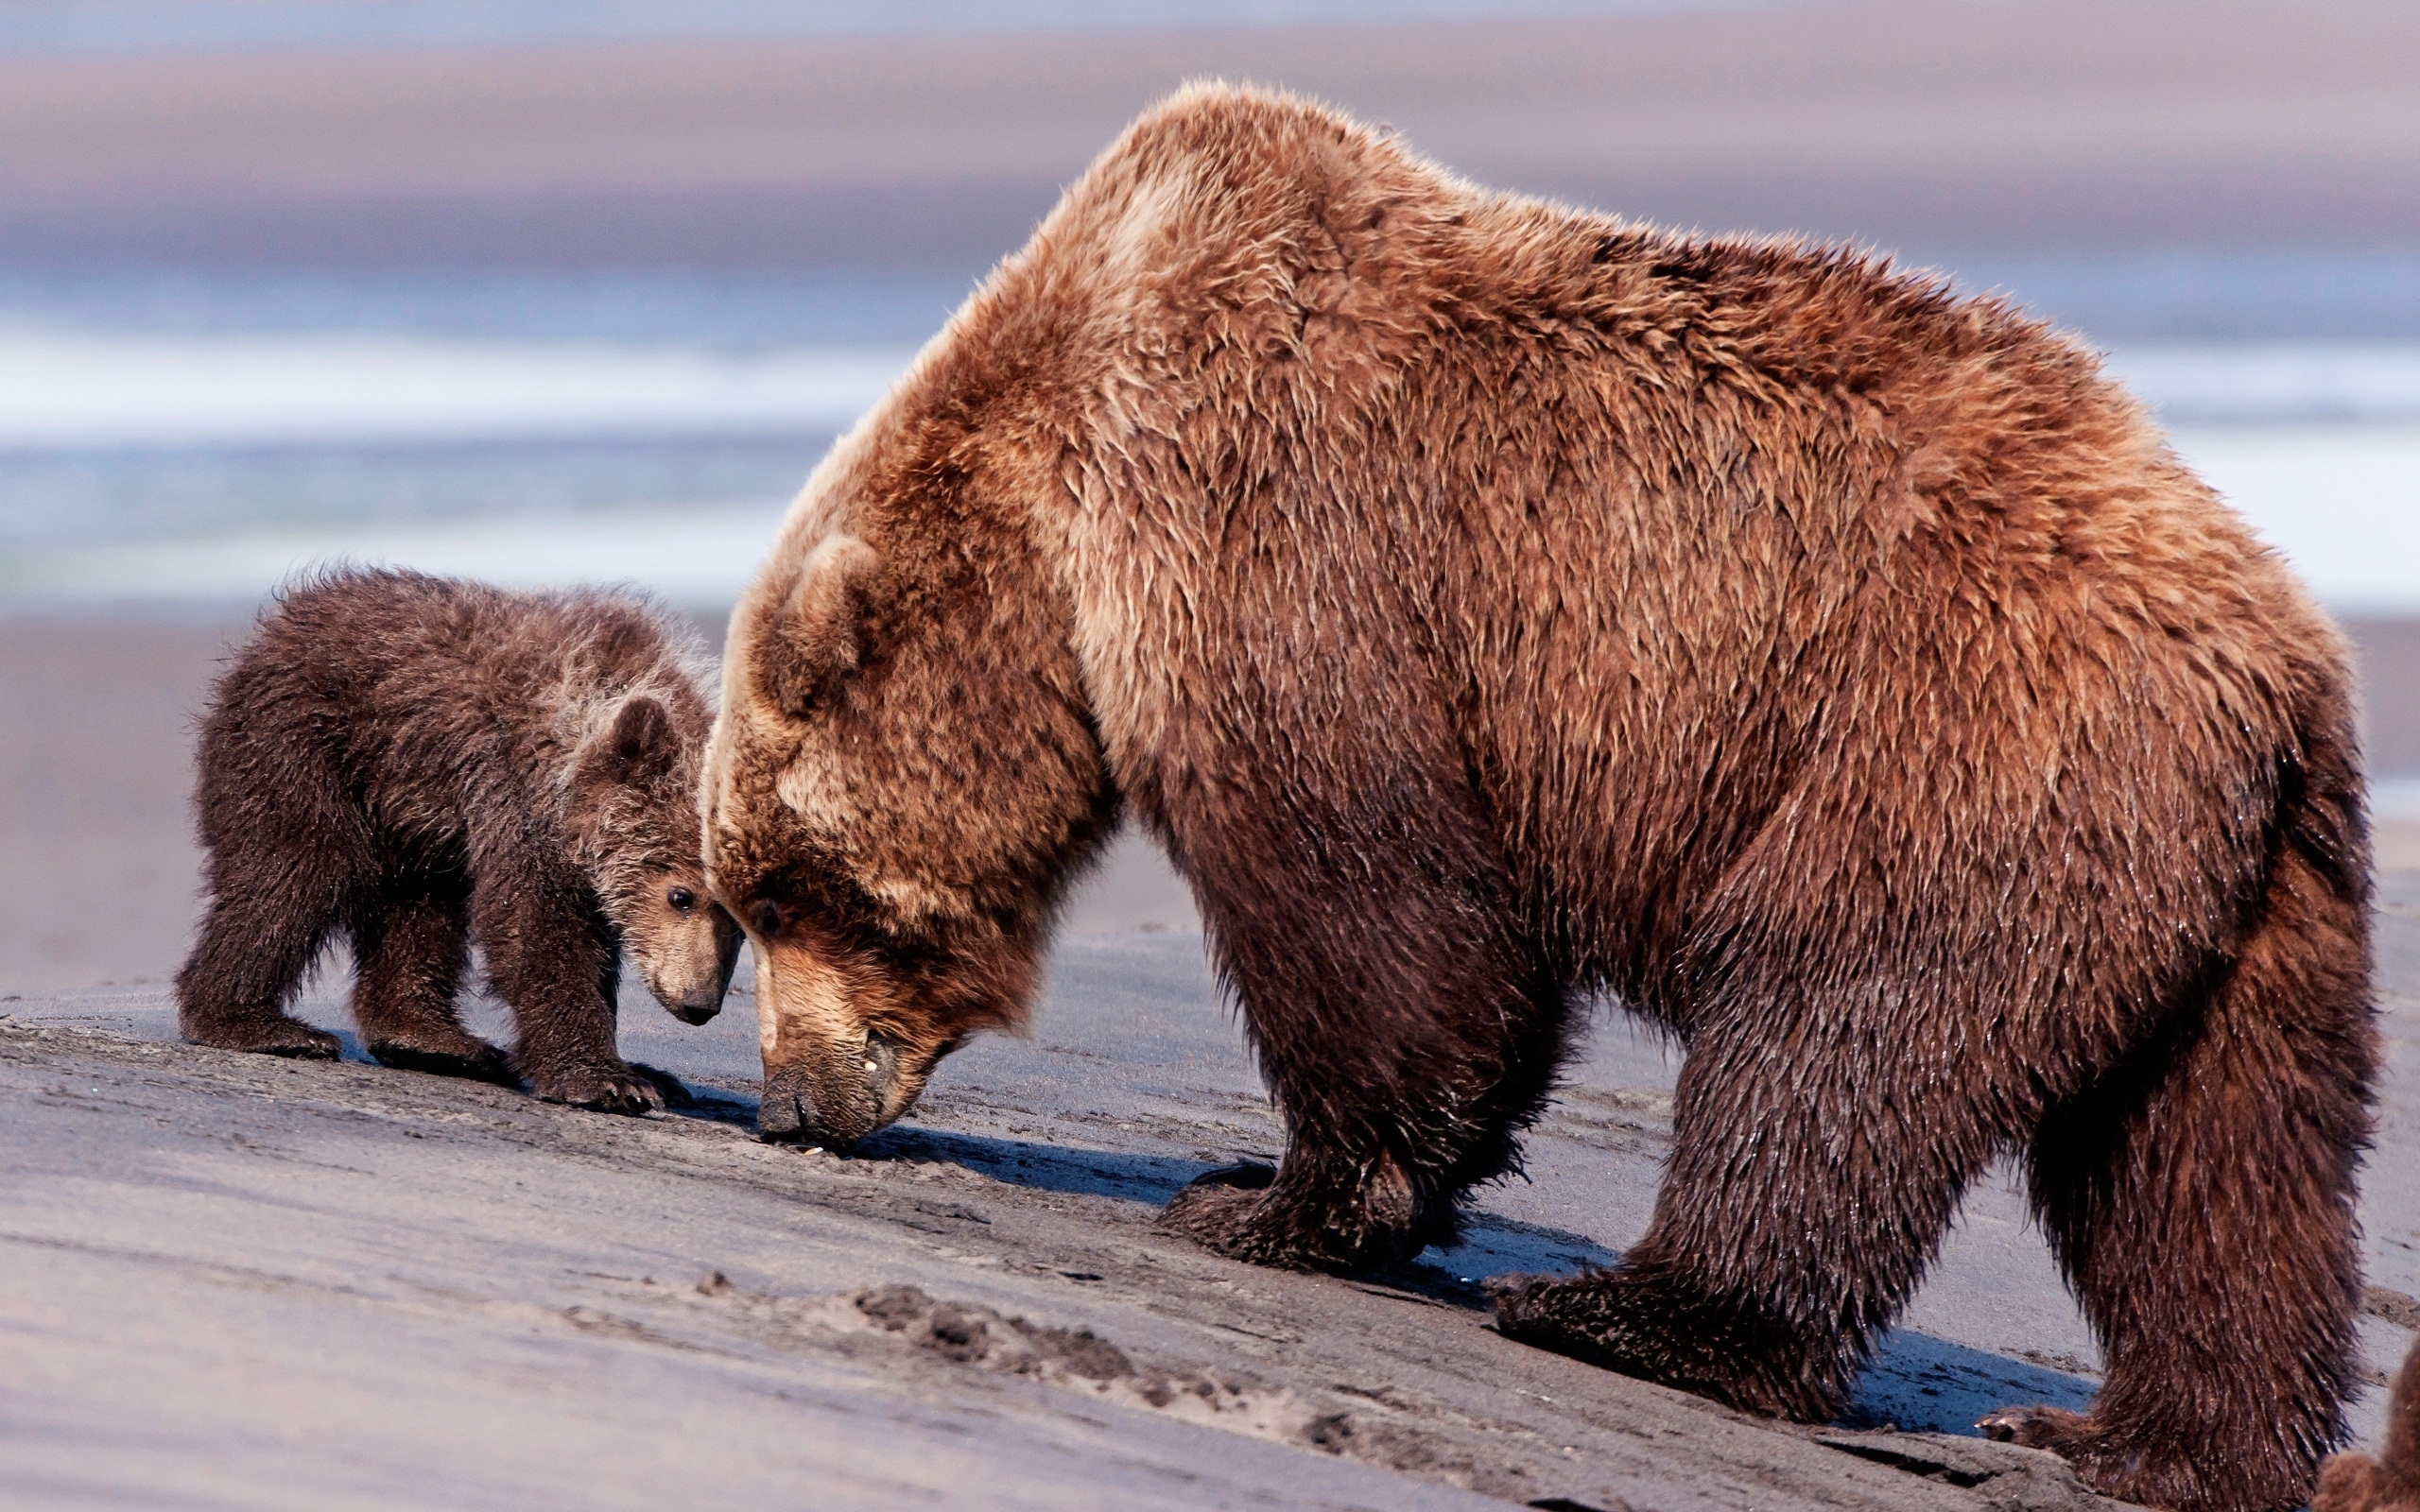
x,y
231,1280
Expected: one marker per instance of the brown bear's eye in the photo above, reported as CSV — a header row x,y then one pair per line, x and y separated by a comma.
x,y
681,899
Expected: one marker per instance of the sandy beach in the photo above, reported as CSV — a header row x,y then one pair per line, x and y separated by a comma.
x,y
231,1280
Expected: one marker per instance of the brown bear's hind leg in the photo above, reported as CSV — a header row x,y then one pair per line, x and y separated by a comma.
x,y
410,949
2199,1199
231,990
286,855
1794,1221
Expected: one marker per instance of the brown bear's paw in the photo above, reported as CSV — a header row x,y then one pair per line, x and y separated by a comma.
x,y
1655,1330
606,1088
471,1059
1214,1209
1241,1211
268,1036
2125,1466
2055,1429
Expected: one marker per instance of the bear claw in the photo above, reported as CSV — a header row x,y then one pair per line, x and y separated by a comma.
x,y
2033,1427
606,1091
667,1085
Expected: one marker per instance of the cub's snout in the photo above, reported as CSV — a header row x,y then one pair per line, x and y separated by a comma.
x,y
686,948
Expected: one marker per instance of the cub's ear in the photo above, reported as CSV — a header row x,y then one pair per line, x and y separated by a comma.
x,y
639,745
819,637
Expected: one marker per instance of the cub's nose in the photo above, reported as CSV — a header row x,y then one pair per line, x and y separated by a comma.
x,y
690,1002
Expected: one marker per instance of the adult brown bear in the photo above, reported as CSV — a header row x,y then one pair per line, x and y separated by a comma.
x,y
1490,605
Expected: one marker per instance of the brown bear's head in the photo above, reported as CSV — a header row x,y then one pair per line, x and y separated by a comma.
x,y
904,772
632,812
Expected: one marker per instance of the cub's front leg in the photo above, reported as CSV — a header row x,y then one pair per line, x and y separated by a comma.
x,y
551,958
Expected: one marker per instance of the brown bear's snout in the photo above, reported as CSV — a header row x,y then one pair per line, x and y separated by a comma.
x,y
834,1107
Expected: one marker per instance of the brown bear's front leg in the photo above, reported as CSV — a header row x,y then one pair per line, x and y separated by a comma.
x,y
1406,1034
549,953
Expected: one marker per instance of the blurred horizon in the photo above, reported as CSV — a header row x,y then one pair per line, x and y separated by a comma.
x,y
283,281
135,28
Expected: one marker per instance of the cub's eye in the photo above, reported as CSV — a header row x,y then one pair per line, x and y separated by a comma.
x,y
681,899
766,915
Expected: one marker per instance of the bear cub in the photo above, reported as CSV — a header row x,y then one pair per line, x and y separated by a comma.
x,y
413,762
2391,1483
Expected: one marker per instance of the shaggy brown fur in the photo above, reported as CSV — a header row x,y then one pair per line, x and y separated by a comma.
x,y
411,762
2391,1483
1490,605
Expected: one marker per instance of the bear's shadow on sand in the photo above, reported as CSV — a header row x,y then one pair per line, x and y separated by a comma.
x,y
1915,1381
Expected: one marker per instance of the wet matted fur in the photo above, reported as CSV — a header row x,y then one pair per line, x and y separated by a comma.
x,y
1490,605
411,762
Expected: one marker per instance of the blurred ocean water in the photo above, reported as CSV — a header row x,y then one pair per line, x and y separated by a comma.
x,y
172,438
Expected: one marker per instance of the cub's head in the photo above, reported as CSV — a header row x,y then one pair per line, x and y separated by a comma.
x,y
903,775
633,809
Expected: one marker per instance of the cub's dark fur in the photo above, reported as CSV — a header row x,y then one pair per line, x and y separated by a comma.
x,y
2391,1483
410,760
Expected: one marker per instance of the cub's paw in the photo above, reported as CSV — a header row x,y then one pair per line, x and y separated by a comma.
x,y
473,1060
279,1036
606,1088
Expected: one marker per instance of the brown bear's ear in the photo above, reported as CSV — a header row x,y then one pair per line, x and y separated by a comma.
x,y
641,745
818,637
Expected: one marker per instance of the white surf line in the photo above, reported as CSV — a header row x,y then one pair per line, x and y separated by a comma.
x,y
2243,382
67,390
2341,503
2394,797
698,554
74,391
